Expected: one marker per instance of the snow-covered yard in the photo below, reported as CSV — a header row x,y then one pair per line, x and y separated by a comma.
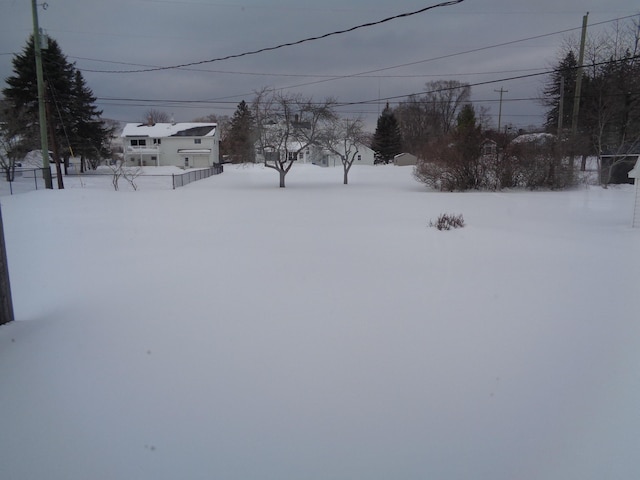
x,y
234,330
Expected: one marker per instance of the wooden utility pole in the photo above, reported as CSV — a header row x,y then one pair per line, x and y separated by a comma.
x,y
6,304
54,143
44,144
576,97
561,108
501,91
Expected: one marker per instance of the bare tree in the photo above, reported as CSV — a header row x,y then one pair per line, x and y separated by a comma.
x,y
119,170
426,118
445,98
286,125
153,115
343,137
12,148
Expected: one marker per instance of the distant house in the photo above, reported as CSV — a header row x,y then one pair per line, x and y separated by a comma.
x,y
316,155
635,175
615,164
171,144
489,148
325,158
405,159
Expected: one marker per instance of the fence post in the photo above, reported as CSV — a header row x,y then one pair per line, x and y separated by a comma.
x,y
6,304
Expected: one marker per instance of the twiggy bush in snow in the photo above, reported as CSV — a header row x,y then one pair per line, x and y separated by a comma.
x,y
447,221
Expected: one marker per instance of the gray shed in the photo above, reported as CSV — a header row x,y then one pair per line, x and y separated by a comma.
x,y
635,174
405,159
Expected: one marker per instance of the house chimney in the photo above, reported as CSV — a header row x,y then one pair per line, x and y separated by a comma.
x,y
150,122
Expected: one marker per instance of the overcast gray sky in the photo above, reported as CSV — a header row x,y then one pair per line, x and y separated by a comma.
x,y
390,60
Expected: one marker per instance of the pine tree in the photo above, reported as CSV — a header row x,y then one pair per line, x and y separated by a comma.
x,y
566,69
466,119
88,134
241,138
75,121
387,138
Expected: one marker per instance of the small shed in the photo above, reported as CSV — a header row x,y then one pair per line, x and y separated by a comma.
x,y
635,174
405,159
616,163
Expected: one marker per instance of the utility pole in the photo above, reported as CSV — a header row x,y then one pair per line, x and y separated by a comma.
x,y
561,108
44,144
576,97
501,91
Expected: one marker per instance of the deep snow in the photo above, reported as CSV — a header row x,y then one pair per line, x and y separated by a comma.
x,y
234,330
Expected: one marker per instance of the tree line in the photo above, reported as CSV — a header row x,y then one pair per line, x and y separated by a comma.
x,y
455,143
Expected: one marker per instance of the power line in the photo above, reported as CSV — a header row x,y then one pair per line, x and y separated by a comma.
x,y
305,75
283,45
488,82
443,57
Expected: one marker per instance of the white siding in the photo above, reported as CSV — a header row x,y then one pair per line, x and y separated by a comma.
x,y
636,206
165,147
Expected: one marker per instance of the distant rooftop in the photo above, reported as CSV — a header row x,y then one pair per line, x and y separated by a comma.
x,y
159,130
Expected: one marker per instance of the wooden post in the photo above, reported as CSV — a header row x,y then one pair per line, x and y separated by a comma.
x,y
6,304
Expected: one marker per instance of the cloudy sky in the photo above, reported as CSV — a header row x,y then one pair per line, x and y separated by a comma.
x,y
474,41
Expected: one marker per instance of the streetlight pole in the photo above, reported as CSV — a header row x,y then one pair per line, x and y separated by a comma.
x,y
44,143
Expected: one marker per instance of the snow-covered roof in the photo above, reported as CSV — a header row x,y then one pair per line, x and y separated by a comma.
x,y
161,130
533,137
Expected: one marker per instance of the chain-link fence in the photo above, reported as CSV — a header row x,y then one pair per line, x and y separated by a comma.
x,y
183,179
29,179
22,180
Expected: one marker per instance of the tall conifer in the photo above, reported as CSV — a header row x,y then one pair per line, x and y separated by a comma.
x,y
387,138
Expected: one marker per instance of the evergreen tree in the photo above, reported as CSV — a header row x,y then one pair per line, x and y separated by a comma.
x,y
88,134
241,139
387,138
73,117
566,69
466,119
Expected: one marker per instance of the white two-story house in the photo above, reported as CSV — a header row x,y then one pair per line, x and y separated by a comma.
x,y
188,145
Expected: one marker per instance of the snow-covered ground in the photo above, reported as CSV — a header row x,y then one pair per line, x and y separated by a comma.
x,y
234,330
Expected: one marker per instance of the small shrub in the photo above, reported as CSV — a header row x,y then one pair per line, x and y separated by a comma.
x,y
447,221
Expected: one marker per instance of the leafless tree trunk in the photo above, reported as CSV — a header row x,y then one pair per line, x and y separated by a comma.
x,y
287,124
343,137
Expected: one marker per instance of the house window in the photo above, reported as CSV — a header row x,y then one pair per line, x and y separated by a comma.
x,y
489,148
359,157
293,156
134,143
156,141
186,161
197,141
153,159
142,143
